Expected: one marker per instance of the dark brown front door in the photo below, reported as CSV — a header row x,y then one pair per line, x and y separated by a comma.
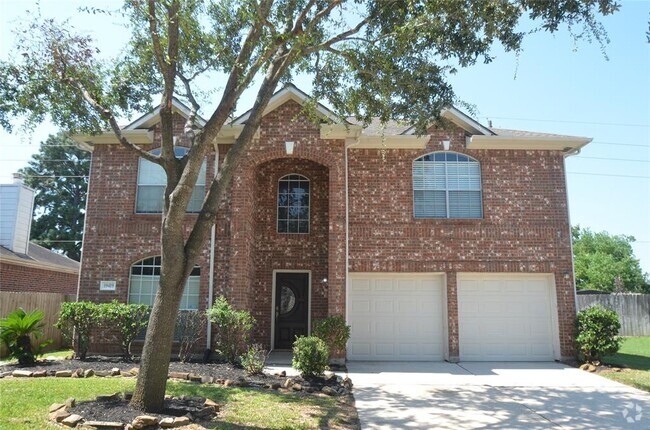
x,y
291,308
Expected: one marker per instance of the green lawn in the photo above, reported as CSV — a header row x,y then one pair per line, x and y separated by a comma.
x,y
58,354
24,403
635,356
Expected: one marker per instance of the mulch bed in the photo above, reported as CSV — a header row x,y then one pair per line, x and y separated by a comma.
x,y
217,371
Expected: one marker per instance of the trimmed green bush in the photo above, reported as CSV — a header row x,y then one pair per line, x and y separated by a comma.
x,y
76,320
254,360
597,333
334,332
231,329
128,319
16,332
310,356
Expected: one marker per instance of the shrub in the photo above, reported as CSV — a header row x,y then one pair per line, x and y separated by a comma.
x,y
16,331
310,356
76,319
254,360
334,332
231,329
189,325
597,333
128,319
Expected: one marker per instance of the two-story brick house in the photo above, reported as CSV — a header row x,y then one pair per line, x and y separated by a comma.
x,y
453,245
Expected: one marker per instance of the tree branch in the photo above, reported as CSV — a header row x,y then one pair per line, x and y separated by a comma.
x,y
155,37
108,116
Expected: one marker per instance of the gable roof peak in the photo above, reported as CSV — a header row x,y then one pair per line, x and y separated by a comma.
x,y
288,92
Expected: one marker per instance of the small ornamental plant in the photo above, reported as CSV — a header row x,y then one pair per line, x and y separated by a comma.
x,y
334,332
189,325
232,329
597,333
128,319
310,356
254,360
76,320
17,331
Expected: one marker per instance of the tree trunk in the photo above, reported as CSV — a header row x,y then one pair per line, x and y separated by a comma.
x,y
149,392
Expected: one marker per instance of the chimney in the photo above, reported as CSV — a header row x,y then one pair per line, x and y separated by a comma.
x,y
16,212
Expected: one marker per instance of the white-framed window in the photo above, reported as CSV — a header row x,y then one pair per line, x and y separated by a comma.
x,y
447,184
293,204
152,182
145,278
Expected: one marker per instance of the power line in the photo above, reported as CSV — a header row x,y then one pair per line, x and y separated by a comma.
x,y
617,124
596,142
607,174
612,159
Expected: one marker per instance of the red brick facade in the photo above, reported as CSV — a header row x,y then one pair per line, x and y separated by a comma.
x,y
19,278
524,229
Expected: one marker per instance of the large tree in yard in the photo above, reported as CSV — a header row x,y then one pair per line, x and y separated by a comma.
x,y
366,58
59,175
606,262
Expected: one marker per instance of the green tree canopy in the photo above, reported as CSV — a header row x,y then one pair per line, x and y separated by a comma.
x,y
603,260
59,175
367,58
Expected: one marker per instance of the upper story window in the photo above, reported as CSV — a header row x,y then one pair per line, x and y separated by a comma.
x,y
293,204
152,182
144,280
447,185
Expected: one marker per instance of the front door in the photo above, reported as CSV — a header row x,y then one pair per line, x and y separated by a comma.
x,y
291,308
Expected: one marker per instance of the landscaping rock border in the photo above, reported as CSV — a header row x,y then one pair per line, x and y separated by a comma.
x,y
343,386
64,414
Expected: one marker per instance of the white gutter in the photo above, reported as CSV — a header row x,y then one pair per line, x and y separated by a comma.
x,y
213,233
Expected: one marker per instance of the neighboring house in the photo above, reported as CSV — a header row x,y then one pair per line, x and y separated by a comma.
x,y
25,266
453,245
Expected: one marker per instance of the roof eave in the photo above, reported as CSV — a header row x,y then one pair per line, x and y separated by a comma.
x,y
138,137
564,144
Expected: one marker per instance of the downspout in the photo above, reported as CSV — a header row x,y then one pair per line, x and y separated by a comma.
x,y
573,268
213,233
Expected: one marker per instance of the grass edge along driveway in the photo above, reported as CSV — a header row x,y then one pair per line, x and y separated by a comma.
x,y
634,356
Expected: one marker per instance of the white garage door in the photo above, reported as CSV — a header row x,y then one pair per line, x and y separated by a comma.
x,y
396,317
505,317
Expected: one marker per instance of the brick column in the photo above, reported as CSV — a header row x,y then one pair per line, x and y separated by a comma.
x,y
452,317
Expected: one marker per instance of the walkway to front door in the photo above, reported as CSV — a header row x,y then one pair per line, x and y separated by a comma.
x,y
291,308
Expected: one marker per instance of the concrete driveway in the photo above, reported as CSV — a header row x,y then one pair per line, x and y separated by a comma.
x,y
493,396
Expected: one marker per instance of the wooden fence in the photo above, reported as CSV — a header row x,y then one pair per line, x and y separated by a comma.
x,y
49,303
633,310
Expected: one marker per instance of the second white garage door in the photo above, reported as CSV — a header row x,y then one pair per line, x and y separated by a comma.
x,y
396,317
505,317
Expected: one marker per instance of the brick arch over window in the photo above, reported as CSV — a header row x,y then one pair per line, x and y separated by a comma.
x,y
144,278
447,184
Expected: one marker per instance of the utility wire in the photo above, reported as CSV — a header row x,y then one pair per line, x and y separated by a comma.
x,y
579,157
617,124
607,174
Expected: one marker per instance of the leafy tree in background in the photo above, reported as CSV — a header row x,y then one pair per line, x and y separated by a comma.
x,y
59,175
603,260
367,58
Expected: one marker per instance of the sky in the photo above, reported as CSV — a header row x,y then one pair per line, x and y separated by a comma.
x,y
554,85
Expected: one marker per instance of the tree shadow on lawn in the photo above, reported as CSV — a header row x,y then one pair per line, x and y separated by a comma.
x,y
325,410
